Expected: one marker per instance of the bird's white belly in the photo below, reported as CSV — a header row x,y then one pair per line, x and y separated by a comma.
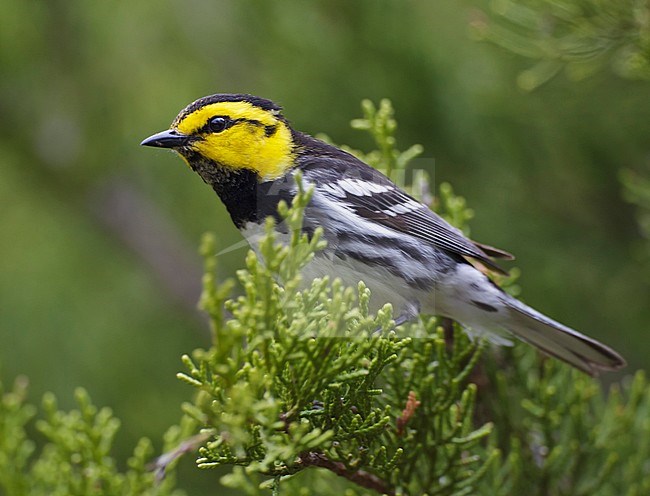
x,y
384,287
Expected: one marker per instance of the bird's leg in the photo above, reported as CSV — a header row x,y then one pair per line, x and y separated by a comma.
x,y
403,318
448,329
409,313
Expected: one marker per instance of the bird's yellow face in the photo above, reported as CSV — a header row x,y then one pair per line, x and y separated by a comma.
x,y
231,134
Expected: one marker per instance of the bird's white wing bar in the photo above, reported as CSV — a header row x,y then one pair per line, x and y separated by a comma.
x,y
378,201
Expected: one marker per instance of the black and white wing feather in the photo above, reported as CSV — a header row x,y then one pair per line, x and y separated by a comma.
x,y
370,195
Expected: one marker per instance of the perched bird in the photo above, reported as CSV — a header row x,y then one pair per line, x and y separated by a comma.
x,y
244,148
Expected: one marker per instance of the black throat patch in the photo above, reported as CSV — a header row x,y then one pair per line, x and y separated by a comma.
x,y
244,196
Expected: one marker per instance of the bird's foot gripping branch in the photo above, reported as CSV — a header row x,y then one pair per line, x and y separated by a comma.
x,y
296,379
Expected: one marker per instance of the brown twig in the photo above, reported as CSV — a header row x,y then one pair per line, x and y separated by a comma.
x,y
412,404
159,465
359,477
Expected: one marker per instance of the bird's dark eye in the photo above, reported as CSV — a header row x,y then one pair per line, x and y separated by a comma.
x,y
218,124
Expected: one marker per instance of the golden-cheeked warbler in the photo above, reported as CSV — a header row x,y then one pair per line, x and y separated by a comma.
x,y
244,148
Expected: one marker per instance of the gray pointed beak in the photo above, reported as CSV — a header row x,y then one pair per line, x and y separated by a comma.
x,y
166,139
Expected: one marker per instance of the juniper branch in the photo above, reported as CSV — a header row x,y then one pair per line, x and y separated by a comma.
x,y
359,477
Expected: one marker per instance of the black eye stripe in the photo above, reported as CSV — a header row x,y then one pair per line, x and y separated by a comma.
x,y
269,130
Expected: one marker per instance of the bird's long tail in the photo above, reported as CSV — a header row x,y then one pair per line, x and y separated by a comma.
x,y
560,341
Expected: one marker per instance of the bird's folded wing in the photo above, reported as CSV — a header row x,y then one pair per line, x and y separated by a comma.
x,y
386,204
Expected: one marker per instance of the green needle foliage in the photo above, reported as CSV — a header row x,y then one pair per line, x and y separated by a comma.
x,y
560,433
75,458
579,36
299,395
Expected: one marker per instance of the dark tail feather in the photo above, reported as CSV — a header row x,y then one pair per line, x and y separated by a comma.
x,y
494,252
560,341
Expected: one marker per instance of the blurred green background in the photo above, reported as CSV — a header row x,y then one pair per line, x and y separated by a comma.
x,y
98,268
